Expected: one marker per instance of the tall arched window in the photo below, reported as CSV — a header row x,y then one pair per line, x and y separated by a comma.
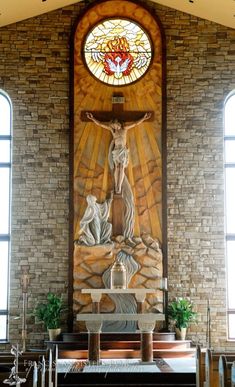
x,y
5,191
229,146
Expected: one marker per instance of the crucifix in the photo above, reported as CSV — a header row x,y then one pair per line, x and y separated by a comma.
x,y
116,122
117,112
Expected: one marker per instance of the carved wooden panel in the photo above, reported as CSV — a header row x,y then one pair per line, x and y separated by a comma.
x,y
91,143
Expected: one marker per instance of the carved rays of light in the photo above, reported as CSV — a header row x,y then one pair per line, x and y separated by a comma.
x,y
92,172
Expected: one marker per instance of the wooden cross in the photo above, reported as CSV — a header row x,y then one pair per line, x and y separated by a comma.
x,y
117,112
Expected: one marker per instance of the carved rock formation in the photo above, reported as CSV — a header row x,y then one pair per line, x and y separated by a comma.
x,y
90,263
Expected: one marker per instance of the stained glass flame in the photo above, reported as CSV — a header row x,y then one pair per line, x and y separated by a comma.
x,y
117,51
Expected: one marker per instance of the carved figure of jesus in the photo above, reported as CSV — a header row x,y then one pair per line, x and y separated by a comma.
x,y
119,152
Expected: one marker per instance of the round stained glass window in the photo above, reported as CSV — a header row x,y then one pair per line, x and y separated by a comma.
x,y
117,51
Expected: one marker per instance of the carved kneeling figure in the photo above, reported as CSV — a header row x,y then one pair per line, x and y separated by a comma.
x,y
95,228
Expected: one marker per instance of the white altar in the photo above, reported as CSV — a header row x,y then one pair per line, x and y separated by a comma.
x,y
94,321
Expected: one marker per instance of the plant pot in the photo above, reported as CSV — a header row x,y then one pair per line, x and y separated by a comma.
x,y
54,333
180,333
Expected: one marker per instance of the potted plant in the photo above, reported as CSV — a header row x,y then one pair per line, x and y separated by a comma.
x,y
180,311
50,314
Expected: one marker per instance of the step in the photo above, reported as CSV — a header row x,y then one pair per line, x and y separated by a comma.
x,y
164,345
117,336
126,353
174,353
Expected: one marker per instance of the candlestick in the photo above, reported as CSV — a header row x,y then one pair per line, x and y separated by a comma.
x,y
14,379
208,323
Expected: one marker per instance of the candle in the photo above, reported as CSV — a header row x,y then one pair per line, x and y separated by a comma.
x,y
50,384
35,374
43,372
164,283
56,358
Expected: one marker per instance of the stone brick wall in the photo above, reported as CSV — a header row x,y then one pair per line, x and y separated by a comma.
x,y
34,71
200,74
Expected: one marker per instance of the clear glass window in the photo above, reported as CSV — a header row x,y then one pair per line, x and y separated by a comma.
x,y
4,248
3,327
229,150
5,189
229,118
231,326
5,114
230,199
231,271
5,151
4,200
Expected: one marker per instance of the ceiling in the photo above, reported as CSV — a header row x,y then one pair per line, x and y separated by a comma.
x,y
219,11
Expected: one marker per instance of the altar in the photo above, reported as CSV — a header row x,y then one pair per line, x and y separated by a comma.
x,y
146,321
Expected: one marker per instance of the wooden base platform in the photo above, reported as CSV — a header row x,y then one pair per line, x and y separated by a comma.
x,y
125,353
81,336
122,345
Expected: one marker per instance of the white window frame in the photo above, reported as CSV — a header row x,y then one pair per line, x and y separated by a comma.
x,y
6,237
229,236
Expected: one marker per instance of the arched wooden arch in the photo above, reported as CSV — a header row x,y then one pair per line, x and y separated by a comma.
x,y
91,174
91,170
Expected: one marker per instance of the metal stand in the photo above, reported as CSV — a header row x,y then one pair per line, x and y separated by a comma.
x,y
164,288
14,379
208,325
25,284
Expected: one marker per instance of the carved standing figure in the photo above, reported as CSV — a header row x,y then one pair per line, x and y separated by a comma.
x,y
94,226
119,150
